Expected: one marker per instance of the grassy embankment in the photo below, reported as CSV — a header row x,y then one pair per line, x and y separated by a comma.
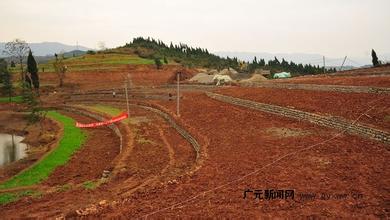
x,y
70,142
12,197
16,99
105,109
95,62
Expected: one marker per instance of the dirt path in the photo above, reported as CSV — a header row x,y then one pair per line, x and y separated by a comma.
x,y
160,157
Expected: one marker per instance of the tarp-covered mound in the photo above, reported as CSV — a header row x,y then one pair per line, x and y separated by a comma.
x,y
281,75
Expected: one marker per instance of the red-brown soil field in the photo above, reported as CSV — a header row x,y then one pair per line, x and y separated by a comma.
x,y
159,174
378,76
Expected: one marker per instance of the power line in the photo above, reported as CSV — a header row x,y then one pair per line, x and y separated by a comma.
x,y
357,63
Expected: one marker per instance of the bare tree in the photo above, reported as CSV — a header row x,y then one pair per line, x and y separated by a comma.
x,y
60,68
18,49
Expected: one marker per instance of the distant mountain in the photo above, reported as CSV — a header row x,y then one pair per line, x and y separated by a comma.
x,y
74,53
48,48
45,59
305,58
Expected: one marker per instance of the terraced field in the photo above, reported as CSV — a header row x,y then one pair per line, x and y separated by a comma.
x,y
226,143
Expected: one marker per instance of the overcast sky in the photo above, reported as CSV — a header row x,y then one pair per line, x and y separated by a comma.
x,y
329,27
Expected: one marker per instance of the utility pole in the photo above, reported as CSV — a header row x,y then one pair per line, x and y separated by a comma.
x,y
127,96
178,95
343,63
324,62
130,81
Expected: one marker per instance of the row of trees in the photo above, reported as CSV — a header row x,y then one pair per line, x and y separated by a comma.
x,y
275,66
18,49
181,53
190,56
29,78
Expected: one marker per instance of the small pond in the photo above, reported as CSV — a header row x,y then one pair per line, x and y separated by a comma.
x,y
11,148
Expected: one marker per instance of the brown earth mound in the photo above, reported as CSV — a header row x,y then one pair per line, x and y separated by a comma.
x,y
184,74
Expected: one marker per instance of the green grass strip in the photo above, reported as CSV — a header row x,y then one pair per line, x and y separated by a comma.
x,y
17,99
70,142
6,198
106,109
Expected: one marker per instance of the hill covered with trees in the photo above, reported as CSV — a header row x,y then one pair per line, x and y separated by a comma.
x,y
199,57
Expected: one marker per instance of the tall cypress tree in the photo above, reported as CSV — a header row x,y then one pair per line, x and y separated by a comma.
x,y
33,70
375,61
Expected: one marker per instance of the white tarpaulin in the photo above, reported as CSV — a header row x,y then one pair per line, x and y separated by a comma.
x,y
282,75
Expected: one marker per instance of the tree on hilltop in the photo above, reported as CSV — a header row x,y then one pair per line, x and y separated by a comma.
x,y
375,61
158,63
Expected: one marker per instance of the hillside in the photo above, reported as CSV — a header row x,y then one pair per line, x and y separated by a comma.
x,y
150,49
199,57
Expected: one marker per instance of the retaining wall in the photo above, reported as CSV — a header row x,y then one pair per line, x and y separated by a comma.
x,y
336,123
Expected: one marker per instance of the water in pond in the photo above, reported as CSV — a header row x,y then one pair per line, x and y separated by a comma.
x,y
11,148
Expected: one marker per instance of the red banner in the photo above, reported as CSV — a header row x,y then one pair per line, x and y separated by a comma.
x,y
102,123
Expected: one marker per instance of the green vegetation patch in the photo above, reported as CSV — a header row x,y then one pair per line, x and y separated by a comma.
x,y
70,142
105,109
16,99
64,188
91,185
6,198
90,62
